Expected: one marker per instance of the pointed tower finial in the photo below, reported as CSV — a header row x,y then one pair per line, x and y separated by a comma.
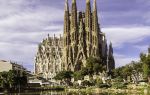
x,y
74,15
110,43
94,5
66,6
110,47
60,36
87,1
149,50
73,1
54,35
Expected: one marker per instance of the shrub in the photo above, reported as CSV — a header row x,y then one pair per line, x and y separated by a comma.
x,y
104,85
118,79
119,85
99,82
86,83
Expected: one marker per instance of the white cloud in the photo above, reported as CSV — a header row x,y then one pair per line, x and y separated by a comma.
x,y
142,48
31,20
23,27
17,52
122,60
120,36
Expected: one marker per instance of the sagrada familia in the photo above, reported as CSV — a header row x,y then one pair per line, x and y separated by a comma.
x,y
82,38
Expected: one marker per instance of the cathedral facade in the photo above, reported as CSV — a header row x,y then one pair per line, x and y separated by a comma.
x,y
48,59
82,36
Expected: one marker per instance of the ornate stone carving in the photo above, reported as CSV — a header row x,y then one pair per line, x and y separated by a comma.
x,y
48,60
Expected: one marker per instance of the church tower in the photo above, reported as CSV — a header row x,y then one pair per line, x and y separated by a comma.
x,y
149,50
111,61
95,31
82,36
74,31
88,27
66,36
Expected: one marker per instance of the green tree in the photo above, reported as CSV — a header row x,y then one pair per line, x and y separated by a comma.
x,y
12,79
89,65
78,75
146,70
97,68
94,65
64,75
84,71
145,60
4,82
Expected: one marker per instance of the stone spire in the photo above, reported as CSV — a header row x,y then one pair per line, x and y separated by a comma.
x,y
66,6
111,61
95,17
66,24
95,29
74,31
74,16
149,50
81,30
88,26
87,1
94,5
88,14
73,1
110,48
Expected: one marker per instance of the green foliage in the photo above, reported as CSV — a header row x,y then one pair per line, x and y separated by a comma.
x,y
98,82
118,79
104,85
89,65
78,75
84,71
145,60
137,66
94,65
143,57
125,71
146,70
97,68
143,66
119,85
64,75
12,79
86,83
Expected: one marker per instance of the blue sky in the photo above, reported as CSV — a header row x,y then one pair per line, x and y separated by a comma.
x,y
24,23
